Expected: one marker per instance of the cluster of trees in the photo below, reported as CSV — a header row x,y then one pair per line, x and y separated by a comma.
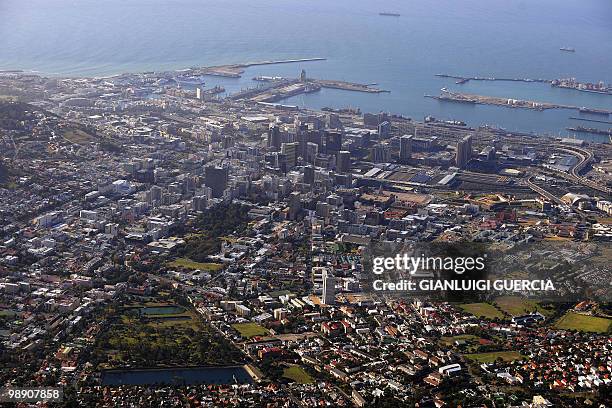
x,y
12,114
218,221
145,345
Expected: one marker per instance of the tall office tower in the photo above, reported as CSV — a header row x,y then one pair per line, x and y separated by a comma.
x,y
464,151
199,93
309,175
406,147
316,136
343,161
216,179
333,121
372,120
333,142
489,153
312,150
384,129
290,152
380,154
198,203
156,194
274,137
295,205
328,296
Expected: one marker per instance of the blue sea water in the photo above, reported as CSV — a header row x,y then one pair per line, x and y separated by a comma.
x,y
509,38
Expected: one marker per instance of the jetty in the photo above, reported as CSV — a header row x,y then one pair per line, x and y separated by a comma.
x,y
464,79
236,70
446,95
607,122
274,91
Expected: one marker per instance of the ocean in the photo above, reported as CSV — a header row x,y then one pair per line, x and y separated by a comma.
x,y
511,38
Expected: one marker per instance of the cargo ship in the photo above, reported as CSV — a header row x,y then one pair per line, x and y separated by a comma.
x,y
264,78
389,14
567,49
189,80
431,119
571,83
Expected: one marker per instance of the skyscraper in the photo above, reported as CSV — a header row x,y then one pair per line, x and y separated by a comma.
x,y
406,147
343,161
216,179
312,149
198,203
328,296
309,175
384,128
274,137
464,151
380,154
333,142
290,151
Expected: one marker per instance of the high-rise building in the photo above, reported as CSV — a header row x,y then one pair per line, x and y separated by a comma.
x,y
372,120
464,151
333,142
216,179
274,137
488,153
384,129
199,93
156,194
312,149
198,203
290,151
328,296
333,121
343,161
309,175
406,147
380,154
295,206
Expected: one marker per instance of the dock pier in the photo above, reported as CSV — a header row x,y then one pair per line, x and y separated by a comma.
x,y
449,96
463,79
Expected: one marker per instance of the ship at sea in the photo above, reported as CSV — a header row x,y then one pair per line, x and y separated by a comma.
x,y
189,80
263,78
572,83
431,119
567,49
389,14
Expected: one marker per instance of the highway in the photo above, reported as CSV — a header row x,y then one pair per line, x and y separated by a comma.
x,y
543,192
585,158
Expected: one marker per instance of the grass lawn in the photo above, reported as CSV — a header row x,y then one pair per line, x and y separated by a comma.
x,y
450,340
78,136
7,313
297,374
189,264
586,323
186,321
517,306
249,330
482,310
490,357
